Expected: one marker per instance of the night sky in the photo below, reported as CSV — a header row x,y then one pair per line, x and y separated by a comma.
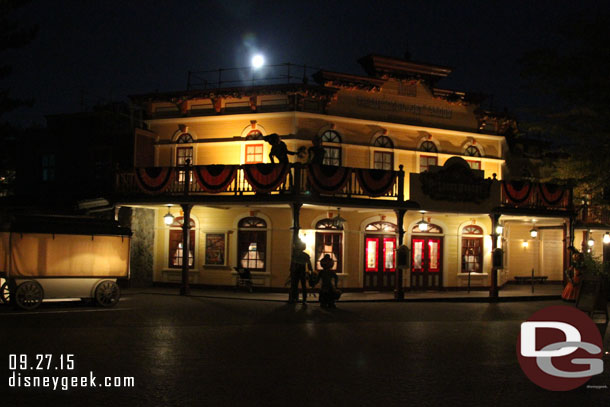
x,y
106,50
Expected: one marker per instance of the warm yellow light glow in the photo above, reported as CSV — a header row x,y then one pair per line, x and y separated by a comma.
x,y
533,233
168,219
606,239
590,242
525,244
499,229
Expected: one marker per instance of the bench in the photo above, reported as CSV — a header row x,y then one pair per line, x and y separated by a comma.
x,y
531,279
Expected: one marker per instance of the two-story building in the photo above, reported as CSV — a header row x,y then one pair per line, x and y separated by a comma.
x,y
405,162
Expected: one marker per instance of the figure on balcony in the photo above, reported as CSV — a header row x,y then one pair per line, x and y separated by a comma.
x,y
300,267
574,275
316,152
278,148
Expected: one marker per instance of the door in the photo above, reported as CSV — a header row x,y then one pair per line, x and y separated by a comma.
x,y
379,262
426,263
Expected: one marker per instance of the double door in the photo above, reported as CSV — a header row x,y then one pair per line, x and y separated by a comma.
x,y
379,262
426,262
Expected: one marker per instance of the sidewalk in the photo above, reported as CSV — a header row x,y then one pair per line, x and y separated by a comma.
x,y
509,292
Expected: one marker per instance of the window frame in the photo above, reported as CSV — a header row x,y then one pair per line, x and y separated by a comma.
x,y
383,166
175,235
255,154
252,229
427,166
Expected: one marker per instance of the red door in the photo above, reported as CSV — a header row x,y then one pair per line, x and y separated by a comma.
x,y
426,262
379,262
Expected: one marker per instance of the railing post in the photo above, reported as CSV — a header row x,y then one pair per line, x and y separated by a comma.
x,y
493,287
187,176
186,226
296,187
401,183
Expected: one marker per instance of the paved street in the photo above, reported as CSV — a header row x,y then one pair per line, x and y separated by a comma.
x,y
200,351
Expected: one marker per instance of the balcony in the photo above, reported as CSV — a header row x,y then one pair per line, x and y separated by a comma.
x,y
531,195
262,182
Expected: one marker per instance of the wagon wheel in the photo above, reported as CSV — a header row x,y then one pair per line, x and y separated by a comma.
x,y
5,293
107,294
29,295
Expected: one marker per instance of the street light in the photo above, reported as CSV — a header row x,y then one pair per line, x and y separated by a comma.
x,y
168,219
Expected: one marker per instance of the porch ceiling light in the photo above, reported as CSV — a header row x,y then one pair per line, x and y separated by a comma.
x,y
606,239
168,219
422,224
338,220
499,229
590,242
534,233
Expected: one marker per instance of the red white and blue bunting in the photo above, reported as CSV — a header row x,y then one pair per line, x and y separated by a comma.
x,y
154,180
552,194
375,182
516,191
215,178
328,179
265,178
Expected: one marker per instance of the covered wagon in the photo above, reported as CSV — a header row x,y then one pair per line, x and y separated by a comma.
x,y
61,257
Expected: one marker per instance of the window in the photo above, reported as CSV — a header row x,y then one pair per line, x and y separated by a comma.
x,y
252,243
254,153
475,165
327,223
184,138
428,146
254,135
332,154
432,228
383,160
472,249
472,151
425,161
382,226
183,154
330,243
383,141
215,248
48,167
175,243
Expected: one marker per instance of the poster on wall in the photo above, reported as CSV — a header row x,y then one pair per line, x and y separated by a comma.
x,y
215,249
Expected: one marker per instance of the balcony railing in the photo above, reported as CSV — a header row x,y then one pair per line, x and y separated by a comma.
x,y
535,195
263,179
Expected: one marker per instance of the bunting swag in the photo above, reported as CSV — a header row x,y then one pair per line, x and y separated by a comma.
x,y
328,179
551,194
516,191
375,182
264,178
215,178
154,180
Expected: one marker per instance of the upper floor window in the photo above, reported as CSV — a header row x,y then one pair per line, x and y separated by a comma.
x,y
332,154
428,146
185,138
383,141
425,162
475,165
383,160
254,153
254,135
472,151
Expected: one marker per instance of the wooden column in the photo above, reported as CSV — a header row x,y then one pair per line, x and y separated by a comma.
x,y
296,223
399,292
493,287
186,217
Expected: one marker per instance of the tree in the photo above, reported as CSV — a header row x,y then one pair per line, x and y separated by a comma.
x,y
575,79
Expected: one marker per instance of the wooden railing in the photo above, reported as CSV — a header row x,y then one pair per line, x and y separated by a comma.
x,y
535,195
297,181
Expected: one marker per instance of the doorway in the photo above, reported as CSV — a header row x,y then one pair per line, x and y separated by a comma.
x,y
426,262
379,262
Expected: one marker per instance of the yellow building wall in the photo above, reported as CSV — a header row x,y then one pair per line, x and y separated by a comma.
x,y
543,254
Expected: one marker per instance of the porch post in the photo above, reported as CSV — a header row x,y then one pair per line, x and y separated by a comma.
x,y
493,287
399,292
296,224
186,218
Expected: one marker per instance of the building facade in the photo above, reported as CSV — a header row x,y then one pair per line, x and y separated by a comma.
x,y
405,163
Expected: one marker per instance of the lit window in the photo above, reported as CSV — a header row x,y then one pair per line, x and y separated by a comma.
x,y
330,136
383,160
183,154
251,243
176,249
332,154
254,153
185,138
426,161
475,165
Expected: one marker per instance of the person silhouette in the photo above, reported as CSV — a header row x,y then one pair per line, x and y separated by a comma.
x,y
299,267
329,293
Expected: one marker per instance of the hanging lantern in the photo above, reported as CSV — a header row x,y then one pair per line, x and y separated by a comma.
x,y
606,239
590,242
168,219
422,224
533,233
499,229
338,220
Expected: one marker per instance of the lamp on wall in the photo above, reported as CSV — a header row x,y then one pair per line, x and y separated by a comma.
x,y
606,238
422,224
168,219
534,233
590,241
499,229
338,221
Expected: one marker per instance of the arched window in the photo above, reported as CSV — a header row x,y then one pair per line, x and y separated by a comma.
x,y
252,243
472,249
184,138
328,224
381,226
254,135
472,151
175,243
428,146
432,228
332,154
383,141
472,230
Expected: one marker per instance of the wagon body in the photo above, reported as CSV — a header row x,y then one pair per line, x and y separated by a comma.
x,y
64,257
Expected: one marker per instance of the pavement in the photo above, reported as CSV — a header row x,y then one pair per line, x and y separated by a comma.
x,y
510,292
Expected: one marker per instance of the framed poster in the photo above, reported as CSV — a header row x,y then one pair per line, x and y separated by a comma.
x,y
215,245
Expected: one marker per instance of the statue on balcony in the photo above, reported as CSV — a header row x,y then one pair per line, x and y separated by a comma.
x,y
278,148
316,152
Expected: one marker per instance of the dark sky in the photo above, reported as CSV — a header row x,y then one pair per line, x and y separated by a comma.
x,y
109,49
